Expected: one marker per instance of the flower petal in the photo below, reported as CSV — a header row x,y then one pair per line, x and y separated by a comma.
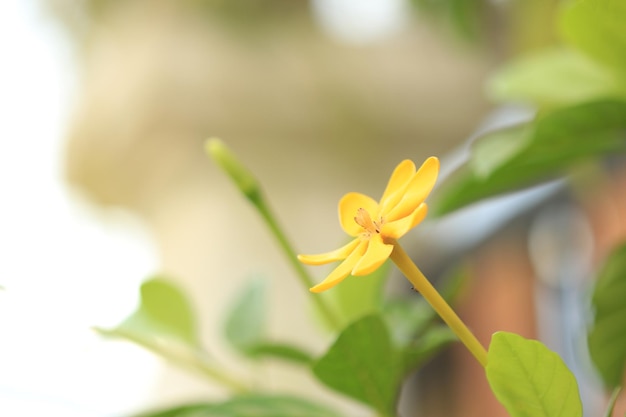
x,y
348,206
328,257
376,254
398,228
343,270
416,191
397,183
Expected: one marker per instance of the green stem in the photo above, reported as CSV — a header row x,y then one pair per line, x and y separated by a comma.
x,y
421,284
301,272
612,401
192,360
251,189
220,377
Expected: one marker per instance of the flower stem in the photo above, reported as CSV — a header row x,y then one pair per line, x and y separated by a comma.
x,y
421,284
221,377
251,189
612,401
302,274
192,360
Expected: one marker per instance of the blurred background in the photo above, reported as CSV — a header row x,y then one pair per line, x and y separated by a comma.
x,y
106,108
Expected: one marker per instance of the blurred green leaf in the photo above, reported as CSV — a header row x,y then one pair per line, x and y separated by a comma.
x,y
607,337
530,380
163,313
414,333
550,146
245,323
363,364
497,148
407,319
249,406
412,323
467,18
597,28
283,351
553,77
424,348
360,296
165,324
245,328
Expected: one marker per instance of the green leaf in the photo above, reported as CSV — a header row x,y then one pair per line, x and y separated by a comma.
x,y
412,325
427,346
463,17
530,380
518,157
407,319
410,320
553,77
363,365
607,337
245,323
282,351
164,313
245,328
597,28
359,296
249,406
165,324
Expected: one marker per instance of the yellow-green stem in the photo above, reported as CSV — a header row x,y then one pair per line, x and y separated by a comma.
x,y
195,361
421,284
251,189
292,257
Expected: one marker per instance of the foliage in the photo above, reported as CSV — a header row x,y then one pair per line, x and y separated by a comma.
x,y
549,147
465,17
607,336
579,90
530,380
249,406
374,375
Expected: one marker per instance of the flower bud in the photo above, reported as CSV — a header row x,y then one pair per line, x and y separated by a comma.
x,y
242,177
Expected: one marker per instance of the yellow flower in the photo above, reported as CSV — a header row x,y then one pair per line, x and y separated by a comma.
x,y
377,225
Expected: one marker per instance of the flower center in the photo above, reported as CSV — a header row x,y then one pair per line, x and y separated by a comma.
x,y
364,220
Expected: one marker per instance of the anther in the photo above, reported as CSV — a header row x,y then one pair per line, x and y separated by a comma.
x,y
364,220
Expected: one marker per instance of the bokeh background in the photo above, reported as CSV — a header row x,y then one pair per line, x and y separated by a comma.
x,y
106,108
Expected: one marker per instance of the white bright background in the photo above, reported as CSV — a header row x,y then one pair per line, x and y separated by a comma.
x,y
64,267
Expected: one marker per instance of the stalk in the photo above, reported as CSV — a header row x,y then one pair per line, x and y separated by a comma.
x,y
421,284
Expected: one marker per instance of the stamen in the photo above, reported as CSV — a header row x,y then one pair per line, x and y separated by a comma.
x,y
364,220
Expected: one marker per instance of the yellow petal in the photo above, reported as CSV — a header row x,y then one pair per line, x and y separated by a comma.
x,y
376,254
343,270
348,206
328,257
397,184
398,228
416,191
